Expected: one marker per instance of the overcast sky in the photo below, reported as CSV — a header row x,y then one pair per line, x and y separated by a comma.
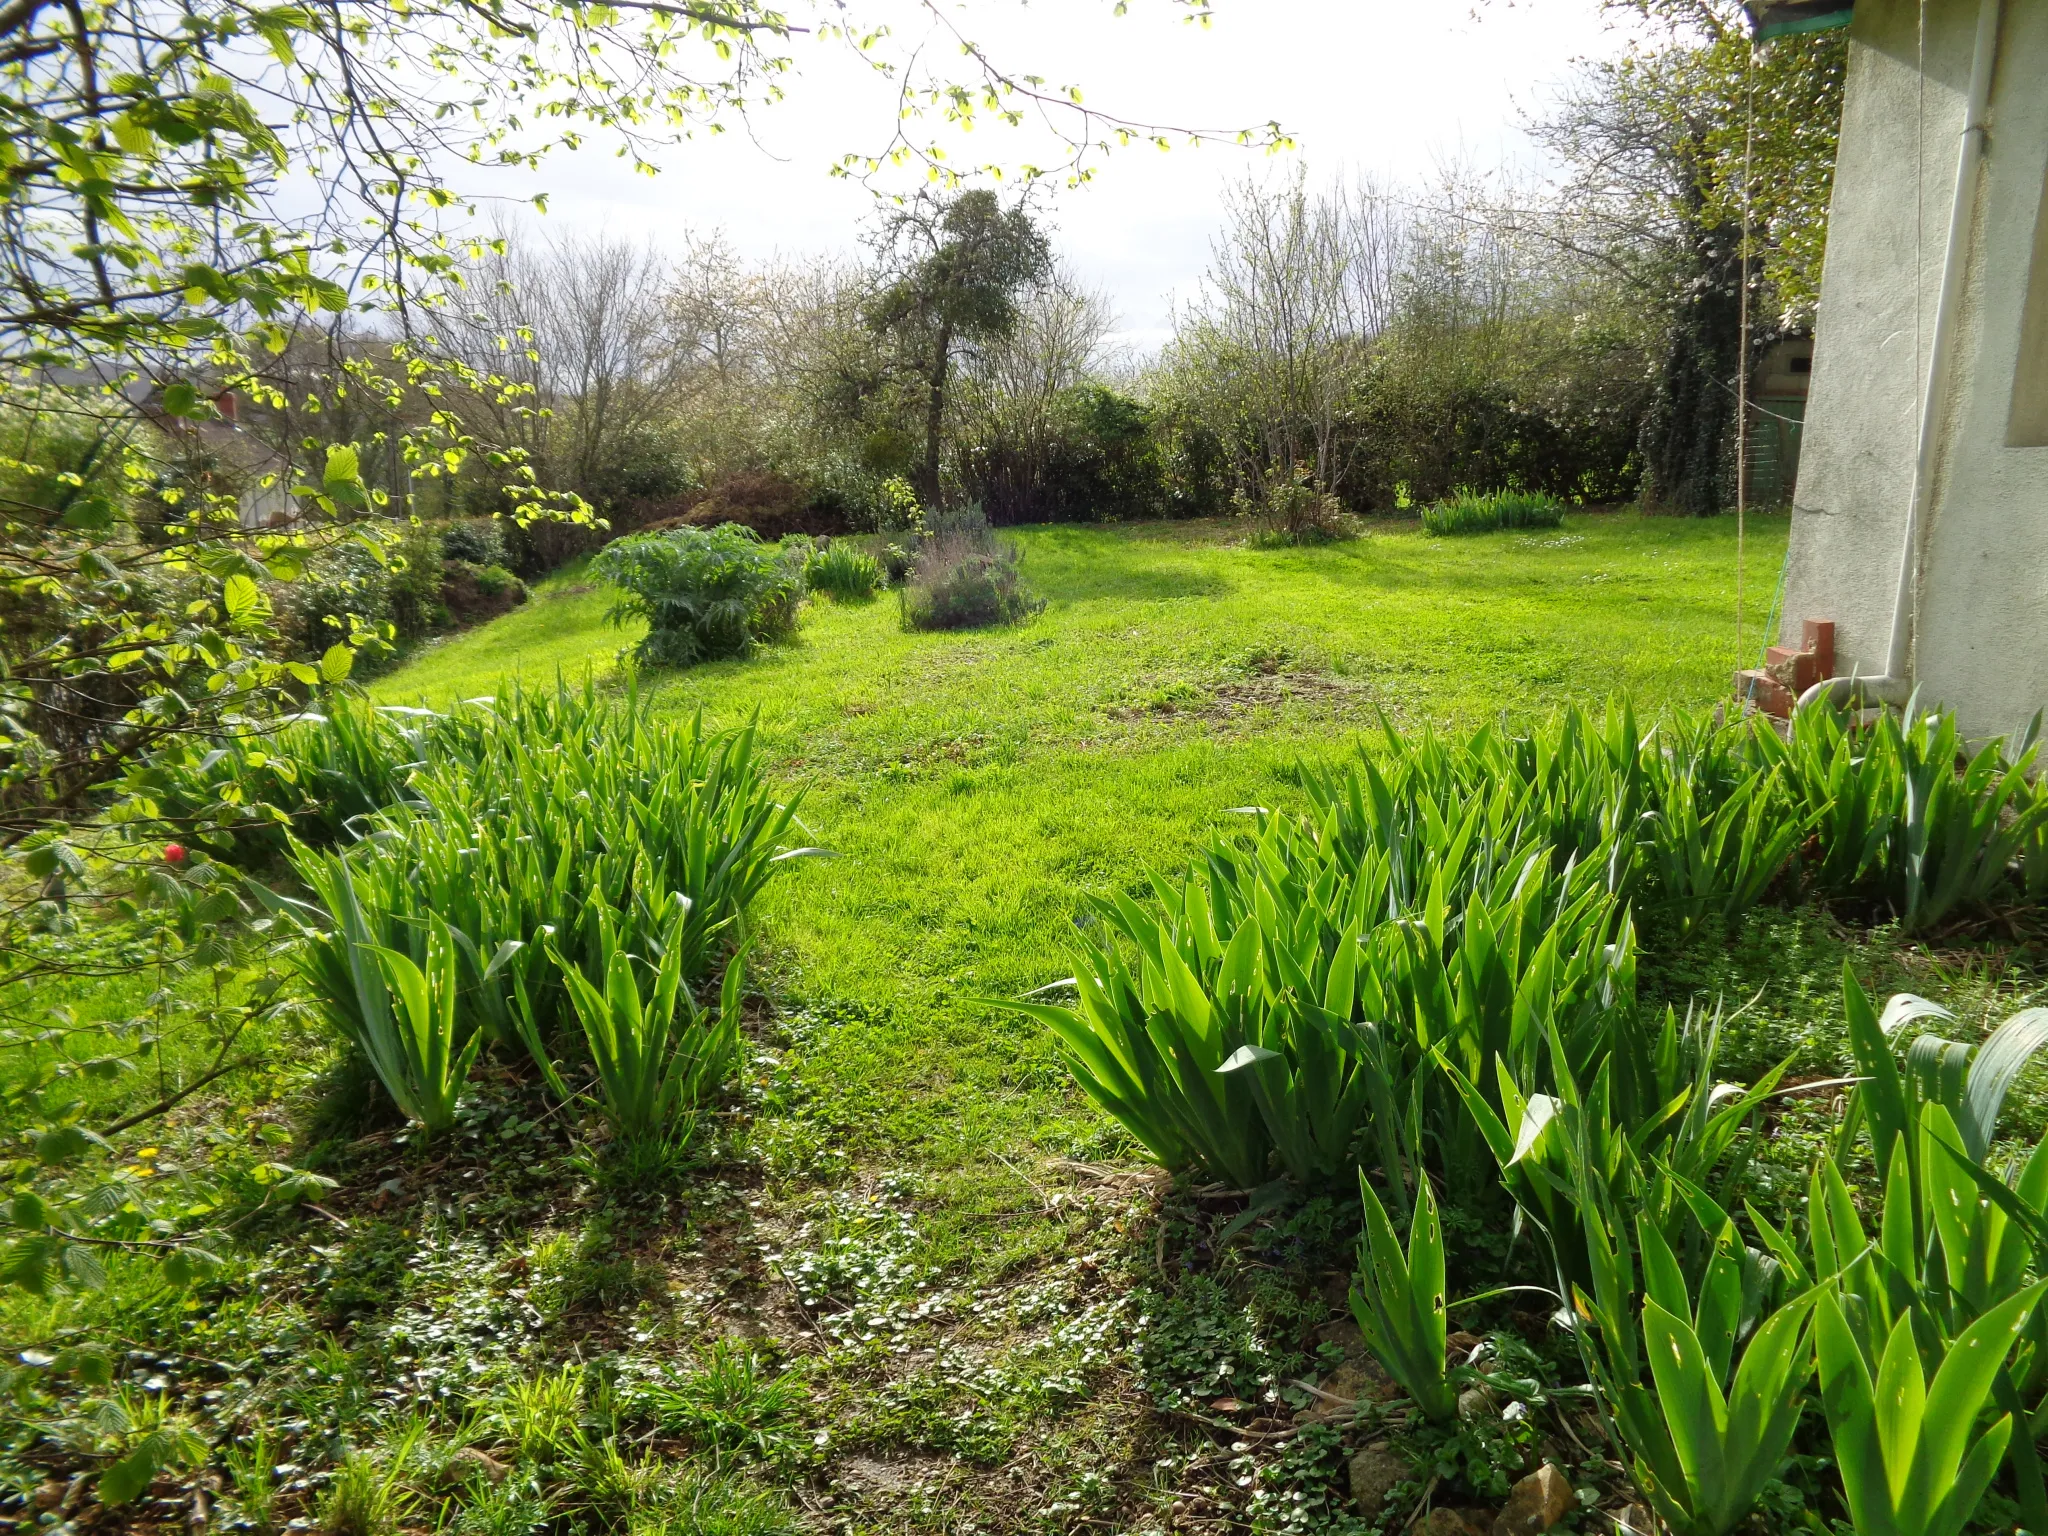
x,y
1393,87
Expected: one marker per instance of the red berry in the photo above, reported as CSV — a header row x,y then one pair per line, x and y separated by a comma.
x,y
174,853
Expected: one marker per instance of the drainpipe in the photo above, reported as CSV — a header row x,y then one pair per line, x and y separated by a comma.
x,y
1896,685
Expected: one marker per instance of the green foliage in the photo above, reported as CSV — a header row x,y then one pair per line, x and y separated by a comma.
x,y
309,776
705,593
1912,1460
844,573
1399,1300
657,1056
1294,510
474,541
965,577
1469,511
1284,1004
1711,1437
733,1404
559,825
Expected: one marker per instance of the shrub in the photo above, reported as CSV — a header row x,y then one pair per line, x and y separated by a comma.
x,y
415,584
965,577
706,594
474,541
1469,511
1294,510
844,573
343,587
473,593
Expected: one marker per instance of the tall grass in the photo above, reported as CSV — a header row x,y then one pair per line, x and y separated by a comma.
x,y
844,573
1470,511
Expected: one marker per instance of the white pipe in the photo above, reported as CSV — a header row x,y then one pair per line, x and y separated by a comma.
x,y
1896,685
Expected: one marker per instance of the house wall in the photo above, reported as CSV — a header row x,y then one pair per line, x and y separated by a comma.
x,y
1980,626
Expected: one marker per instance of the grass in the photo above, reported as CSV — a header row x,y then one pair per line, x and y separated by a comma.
x,y
959,1296
975,784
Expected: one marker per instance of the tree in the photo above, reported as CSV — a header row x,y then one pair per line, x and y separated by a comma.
x,y
956,266
1668,146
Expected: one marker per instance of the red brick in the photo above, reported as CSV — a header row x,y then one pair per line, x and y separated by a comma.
x,y
1758,687
1819,638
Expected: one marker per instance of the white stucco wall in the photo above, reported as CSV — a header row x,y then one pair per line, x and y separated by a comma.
x,y
1980,629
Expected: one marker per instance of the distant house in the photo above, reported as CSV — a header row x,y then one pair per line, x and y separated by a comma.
x,y
259,476
1920,521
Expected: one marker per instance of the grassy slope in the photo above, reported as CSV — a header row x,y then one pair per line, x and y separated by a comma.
x,y
975,786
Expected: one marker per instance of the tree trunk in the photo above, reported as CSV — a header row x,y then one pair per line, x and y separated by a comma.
x,y
935,417
1685,436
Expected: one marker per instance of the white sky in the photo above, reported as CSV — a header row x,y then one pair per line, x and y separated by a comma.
x,y
1393,87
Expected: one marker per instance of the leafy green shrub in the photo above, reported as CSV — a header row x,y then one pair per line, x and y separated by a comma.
x,y
1469,511
474,541
706,593
415,584
965,577
344,591
1294,510
844,573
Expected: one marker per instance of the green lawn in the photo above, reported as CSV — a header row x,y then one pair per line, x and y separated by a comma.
x,y
976,784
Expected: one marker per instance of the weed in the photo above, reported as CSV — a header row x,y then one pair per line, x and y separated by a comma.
x,y
251,1463
540,1416
368,1495
732,1403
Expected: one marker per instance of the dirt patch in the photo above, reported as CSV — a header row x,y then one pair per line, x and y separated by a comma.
x,y
1237,697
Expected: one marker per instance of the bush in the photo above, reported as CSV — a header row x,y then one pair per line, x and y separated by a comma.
x,y
1294,510
415,585
844,573
343,584
473,593
1091,456
964,577
1469,511
474,541
705,593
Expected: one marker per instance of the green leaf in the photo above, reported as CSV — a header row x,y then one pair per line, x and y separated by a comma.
x,y
29,1211
337,663
129,1476
242,598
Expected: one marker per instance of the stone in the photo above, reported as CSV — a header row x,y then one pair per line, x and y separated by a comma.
x,y
1358,1381
1535,1504
1634,1520
1476,1403
1373,1471
1452,1522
